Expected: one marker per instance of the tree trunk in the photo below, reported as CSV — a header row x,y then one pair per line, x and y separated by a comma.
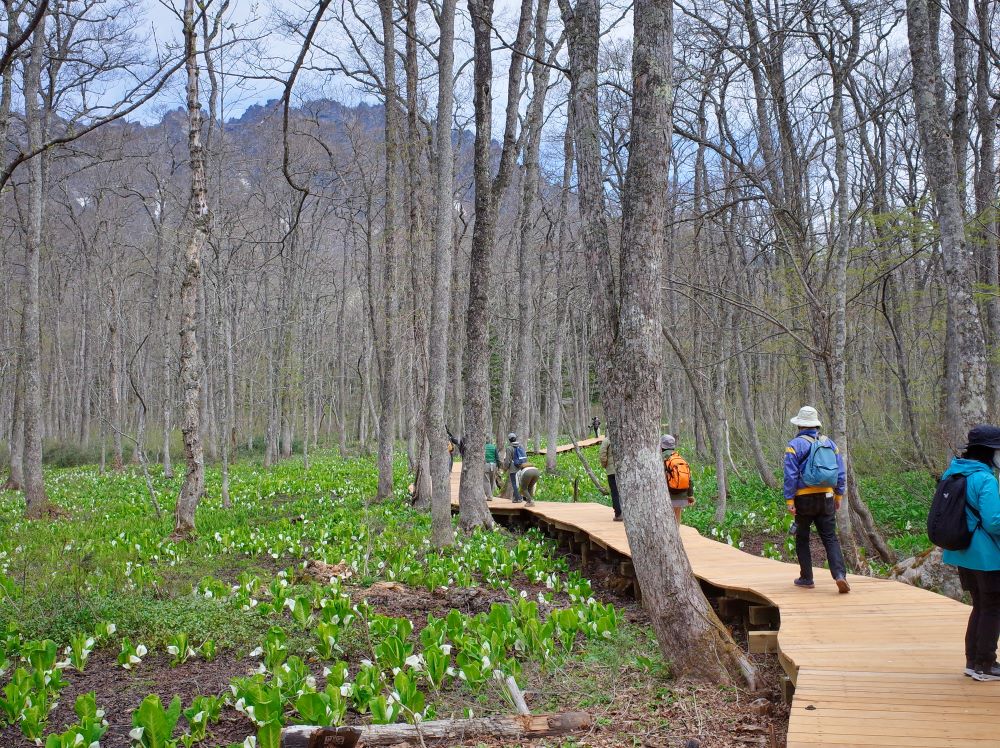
x,y
389,370
190,370
526,262
37,503
965,346
685,625
561,311
473,511
442,533
15,480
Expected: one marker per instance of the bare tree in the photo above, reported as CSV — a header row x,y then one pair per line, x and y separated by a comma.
x,y
190,371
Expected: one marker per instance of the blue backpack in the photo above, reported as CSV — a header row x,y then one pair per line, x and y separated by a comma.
x,y
820,468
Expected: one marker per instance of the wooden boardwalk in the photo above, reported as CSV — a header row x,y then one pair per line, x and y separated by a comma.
x,y
881,666
581,443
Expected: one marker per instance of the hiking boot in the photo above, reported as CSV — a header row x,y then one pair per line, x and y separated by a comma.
x,y
986,673
529,502
842,585
516,501
807,584
618,518
970,669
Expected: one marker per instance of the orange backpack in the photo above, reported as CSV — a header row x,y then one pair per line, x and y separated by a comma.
x,y
678,473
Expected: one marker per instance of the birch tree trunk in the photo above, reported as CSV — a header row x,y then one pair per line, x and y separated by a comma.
x,y
114,377
442,533
389,369
526,261
15,479
685,625
473,510
965,347
36,501
559,333
190,370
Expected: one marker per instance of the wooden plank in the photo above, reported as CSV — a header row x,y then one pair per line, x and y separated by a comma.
x,y
881,666
763,615
762,642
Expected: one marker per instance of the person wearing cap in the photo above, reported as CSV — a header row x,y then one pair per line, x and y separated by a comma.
x,y
979,564
814,504
680,485
517,458
608,463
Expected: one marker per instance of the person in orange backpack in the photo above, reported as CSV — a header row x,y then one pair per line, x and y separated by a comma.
x,y
678,474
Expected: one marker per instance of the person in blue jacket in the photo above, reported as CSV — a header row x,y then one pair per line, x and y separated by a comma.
x,y
813,504
979,564
518,458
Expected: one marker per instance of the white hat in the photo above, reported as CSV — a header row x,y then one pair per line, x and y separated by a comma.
x,y
807,417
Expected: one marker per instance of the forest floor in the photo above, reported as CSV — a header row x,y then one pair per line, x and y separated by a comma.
x,y
306,602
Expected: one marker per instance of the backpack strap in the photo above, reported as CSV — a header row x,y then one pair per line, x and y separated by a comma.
x,y
979,522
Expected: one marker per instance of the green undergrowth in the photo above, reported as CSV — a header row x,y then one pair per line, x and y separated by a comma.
x,y
278,583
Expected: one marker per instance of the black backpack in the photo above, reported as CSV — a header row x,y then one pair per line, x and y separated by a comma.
x,y
947,526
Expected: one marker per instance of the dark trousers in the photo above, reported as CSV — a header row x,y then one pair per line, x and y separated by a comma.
x,y
513,485
818,510
984,622
616,501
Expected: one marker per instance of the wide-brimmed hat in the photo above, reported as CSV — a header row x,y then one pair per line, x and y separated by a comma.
x,y
984,436
667,442
807,418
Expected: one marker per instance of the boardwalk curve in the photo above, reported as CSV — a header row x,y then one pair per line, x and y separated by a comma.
x,y
881,666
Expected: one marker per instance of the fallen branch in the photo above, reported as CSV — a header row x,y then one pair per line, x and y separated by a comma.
x,y
590,472
450,731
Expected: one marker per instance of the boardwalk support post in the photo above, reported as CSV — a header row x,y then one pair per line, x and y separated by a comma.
x,y
763,642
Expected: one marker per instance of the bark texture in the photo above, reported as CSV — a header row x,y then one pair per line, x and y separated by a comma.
x,y
193,486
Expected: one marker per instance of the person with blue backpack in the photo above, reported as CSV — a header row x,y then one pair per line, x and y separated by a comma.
x,y
964,520
815,481
517,459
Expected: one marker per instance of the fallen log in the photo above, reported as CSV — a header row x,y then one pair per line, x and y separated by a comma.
x,y
450,731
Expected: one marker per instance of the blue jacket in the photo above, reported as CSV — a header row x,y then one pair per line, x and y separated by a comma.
x,y
795,460
981,492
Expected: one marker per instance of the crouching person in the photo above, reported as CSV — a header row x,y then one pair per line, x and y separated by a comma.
x,y
527,482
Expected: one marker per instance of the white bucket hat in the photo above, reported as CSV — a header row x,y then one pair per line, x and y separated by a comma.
x,y
807,417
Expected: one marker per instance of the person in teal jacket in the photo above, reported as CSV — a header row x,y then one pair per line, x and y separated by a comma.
x,y
979,564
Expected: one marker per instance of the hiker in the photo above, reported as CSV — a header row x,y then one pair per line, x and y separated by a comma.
x,y
490,473
678,474
527,480
453,444
595,424
516,459
608,463
814,487
979,562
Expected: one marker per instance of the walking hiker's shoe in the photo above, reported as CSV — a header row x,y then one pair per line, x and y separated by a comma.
x,y
842,585
516,501
529,502
807,584
987,673
618,518
970,669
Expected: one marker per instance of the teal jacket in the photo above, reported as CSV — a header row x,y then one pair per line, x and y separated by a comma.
x,y
983,493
